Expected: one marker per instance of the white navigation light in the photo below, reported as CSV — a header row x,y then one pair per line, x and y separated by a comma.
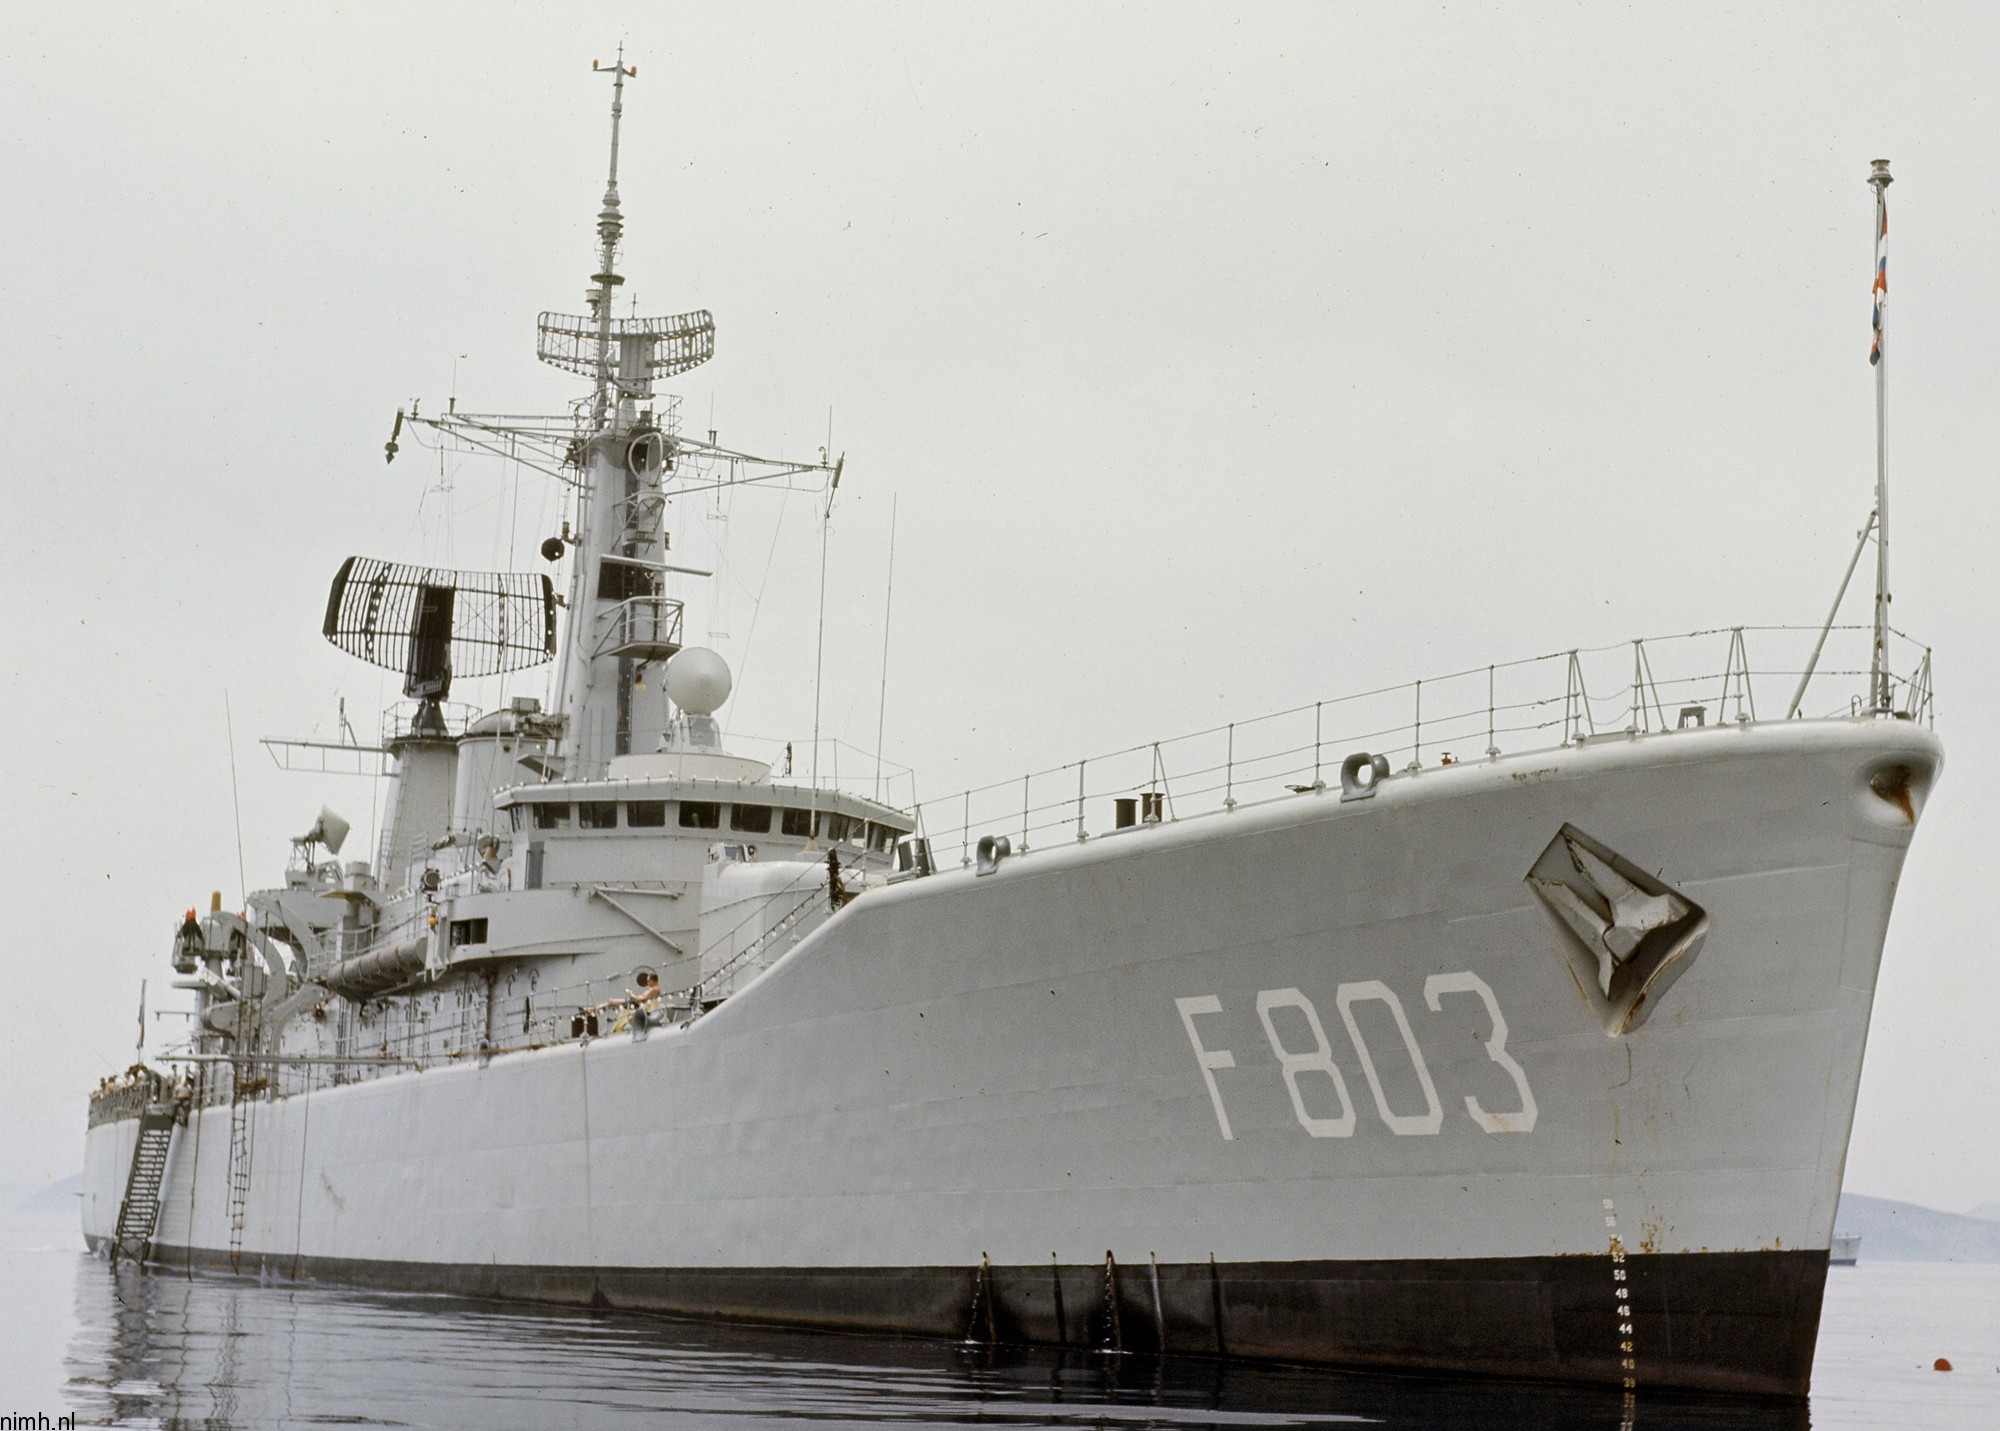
x,y
698,680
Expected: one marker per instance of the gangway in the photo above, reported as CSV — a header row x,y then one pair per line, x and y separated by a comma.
x,y
141,1207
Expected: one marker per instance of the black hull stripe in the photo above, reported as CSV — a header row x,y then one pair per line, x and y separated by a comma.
x,y
1736,1322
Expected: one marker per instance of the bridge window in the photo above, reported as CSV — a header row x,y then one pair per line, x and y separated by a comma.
x,y
880,837
799,823
597,814
646,814
751,819
551,816
701,815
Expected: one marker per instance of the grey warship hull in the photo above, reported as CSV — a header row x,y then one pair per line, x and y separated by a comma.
x,y
1308,1079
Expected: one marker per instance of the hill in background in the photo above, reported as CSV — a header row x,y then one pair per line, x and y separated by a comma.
x,y
1904,1232
57,1197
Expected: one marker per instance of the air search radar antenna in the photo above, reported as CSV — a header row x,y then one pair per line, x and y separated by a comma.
x,y
622,355
430,623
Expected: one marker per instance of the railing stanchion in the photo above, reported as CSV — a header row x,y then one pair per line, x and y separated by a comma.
x,y
1079,799
1229,771
1318,784
1576,703
965,834
1492,746
1417,748
1024,812
1638,708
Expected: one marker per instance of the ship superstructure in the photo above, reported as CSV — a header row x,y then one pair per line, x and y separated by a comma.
x,y
1522,1037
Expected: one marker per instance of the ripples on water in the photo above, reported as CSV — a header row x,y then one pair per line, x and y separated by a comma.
x,y
160,1350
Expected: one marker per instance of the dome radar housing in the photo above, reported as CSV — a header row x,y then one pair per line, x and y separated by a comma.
x,y
698,680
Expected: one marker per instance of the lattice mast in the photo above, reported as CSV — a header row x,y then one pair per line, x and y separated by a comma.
x,y
620,625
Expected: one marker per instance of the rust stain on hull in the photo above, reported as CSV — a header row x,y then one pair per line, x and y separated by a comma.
x,y
1891,785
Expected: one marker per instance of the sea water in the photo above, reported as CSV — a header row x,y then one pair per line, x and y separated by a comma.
x,y
122,1347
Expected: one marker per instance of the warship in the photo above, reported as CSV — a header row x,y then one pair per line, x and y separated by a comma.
x,y
1507,1023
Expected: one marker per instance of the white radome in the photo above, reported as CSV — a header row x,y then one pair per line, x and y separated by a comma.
x,y
698,680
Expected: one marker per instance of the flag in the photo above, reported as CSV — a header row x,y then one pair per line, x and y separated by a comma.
x,y
1881,289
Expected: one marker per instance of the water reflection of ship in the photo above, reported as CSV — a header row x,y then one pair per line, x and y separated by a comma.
x,y
228,1354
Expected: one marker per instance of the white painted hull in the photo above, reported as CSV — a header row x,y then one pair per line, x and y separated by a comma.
x,y
962,1068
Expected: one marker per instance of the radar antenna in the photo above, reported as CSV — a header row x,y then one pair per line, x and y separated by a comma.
x,y
429,624
645,348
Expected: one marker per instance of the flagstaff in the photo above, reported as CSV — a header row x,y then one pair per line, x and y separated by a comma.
x,y
1879,679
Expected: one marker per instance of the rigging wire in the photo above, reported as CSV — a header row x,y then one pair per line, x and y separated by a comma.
x,y
888,600
375,786
235,800
505,557
819,650
757,601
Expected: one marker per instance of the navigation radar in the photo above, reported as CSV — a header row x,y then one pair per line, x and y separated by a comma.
x,y
698,681
430,623
631,351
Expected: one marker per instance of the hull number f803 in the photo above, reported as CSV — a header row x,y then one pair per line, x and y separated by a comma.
x,y
1316,1061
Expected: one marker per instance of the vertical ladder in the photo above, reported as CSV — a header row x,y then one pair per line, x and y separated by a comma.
x,y
141,1207
241,1134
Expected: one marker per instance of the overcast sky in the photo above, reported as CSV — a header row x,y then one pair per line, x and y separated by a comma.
x,y
1213,364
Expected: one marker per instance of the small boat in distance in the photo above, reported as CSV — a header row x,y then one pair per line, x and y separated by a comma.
x,y
1845,1251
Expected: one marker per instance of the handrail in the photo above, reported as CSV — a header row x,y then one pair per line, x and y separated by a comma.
x,y
1540,702
649,623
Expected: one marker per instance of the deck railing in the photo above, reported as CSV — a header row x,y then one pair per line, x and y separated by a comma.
x,y
648,627
1729,674
1738,673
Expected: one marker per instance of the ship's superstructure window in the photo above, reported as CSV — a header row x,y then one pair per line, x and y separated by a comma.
x,y
519,815
751,819
597,814
551,815
846,828
646,814
701,815
621,580
880,837
468,931
799,822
